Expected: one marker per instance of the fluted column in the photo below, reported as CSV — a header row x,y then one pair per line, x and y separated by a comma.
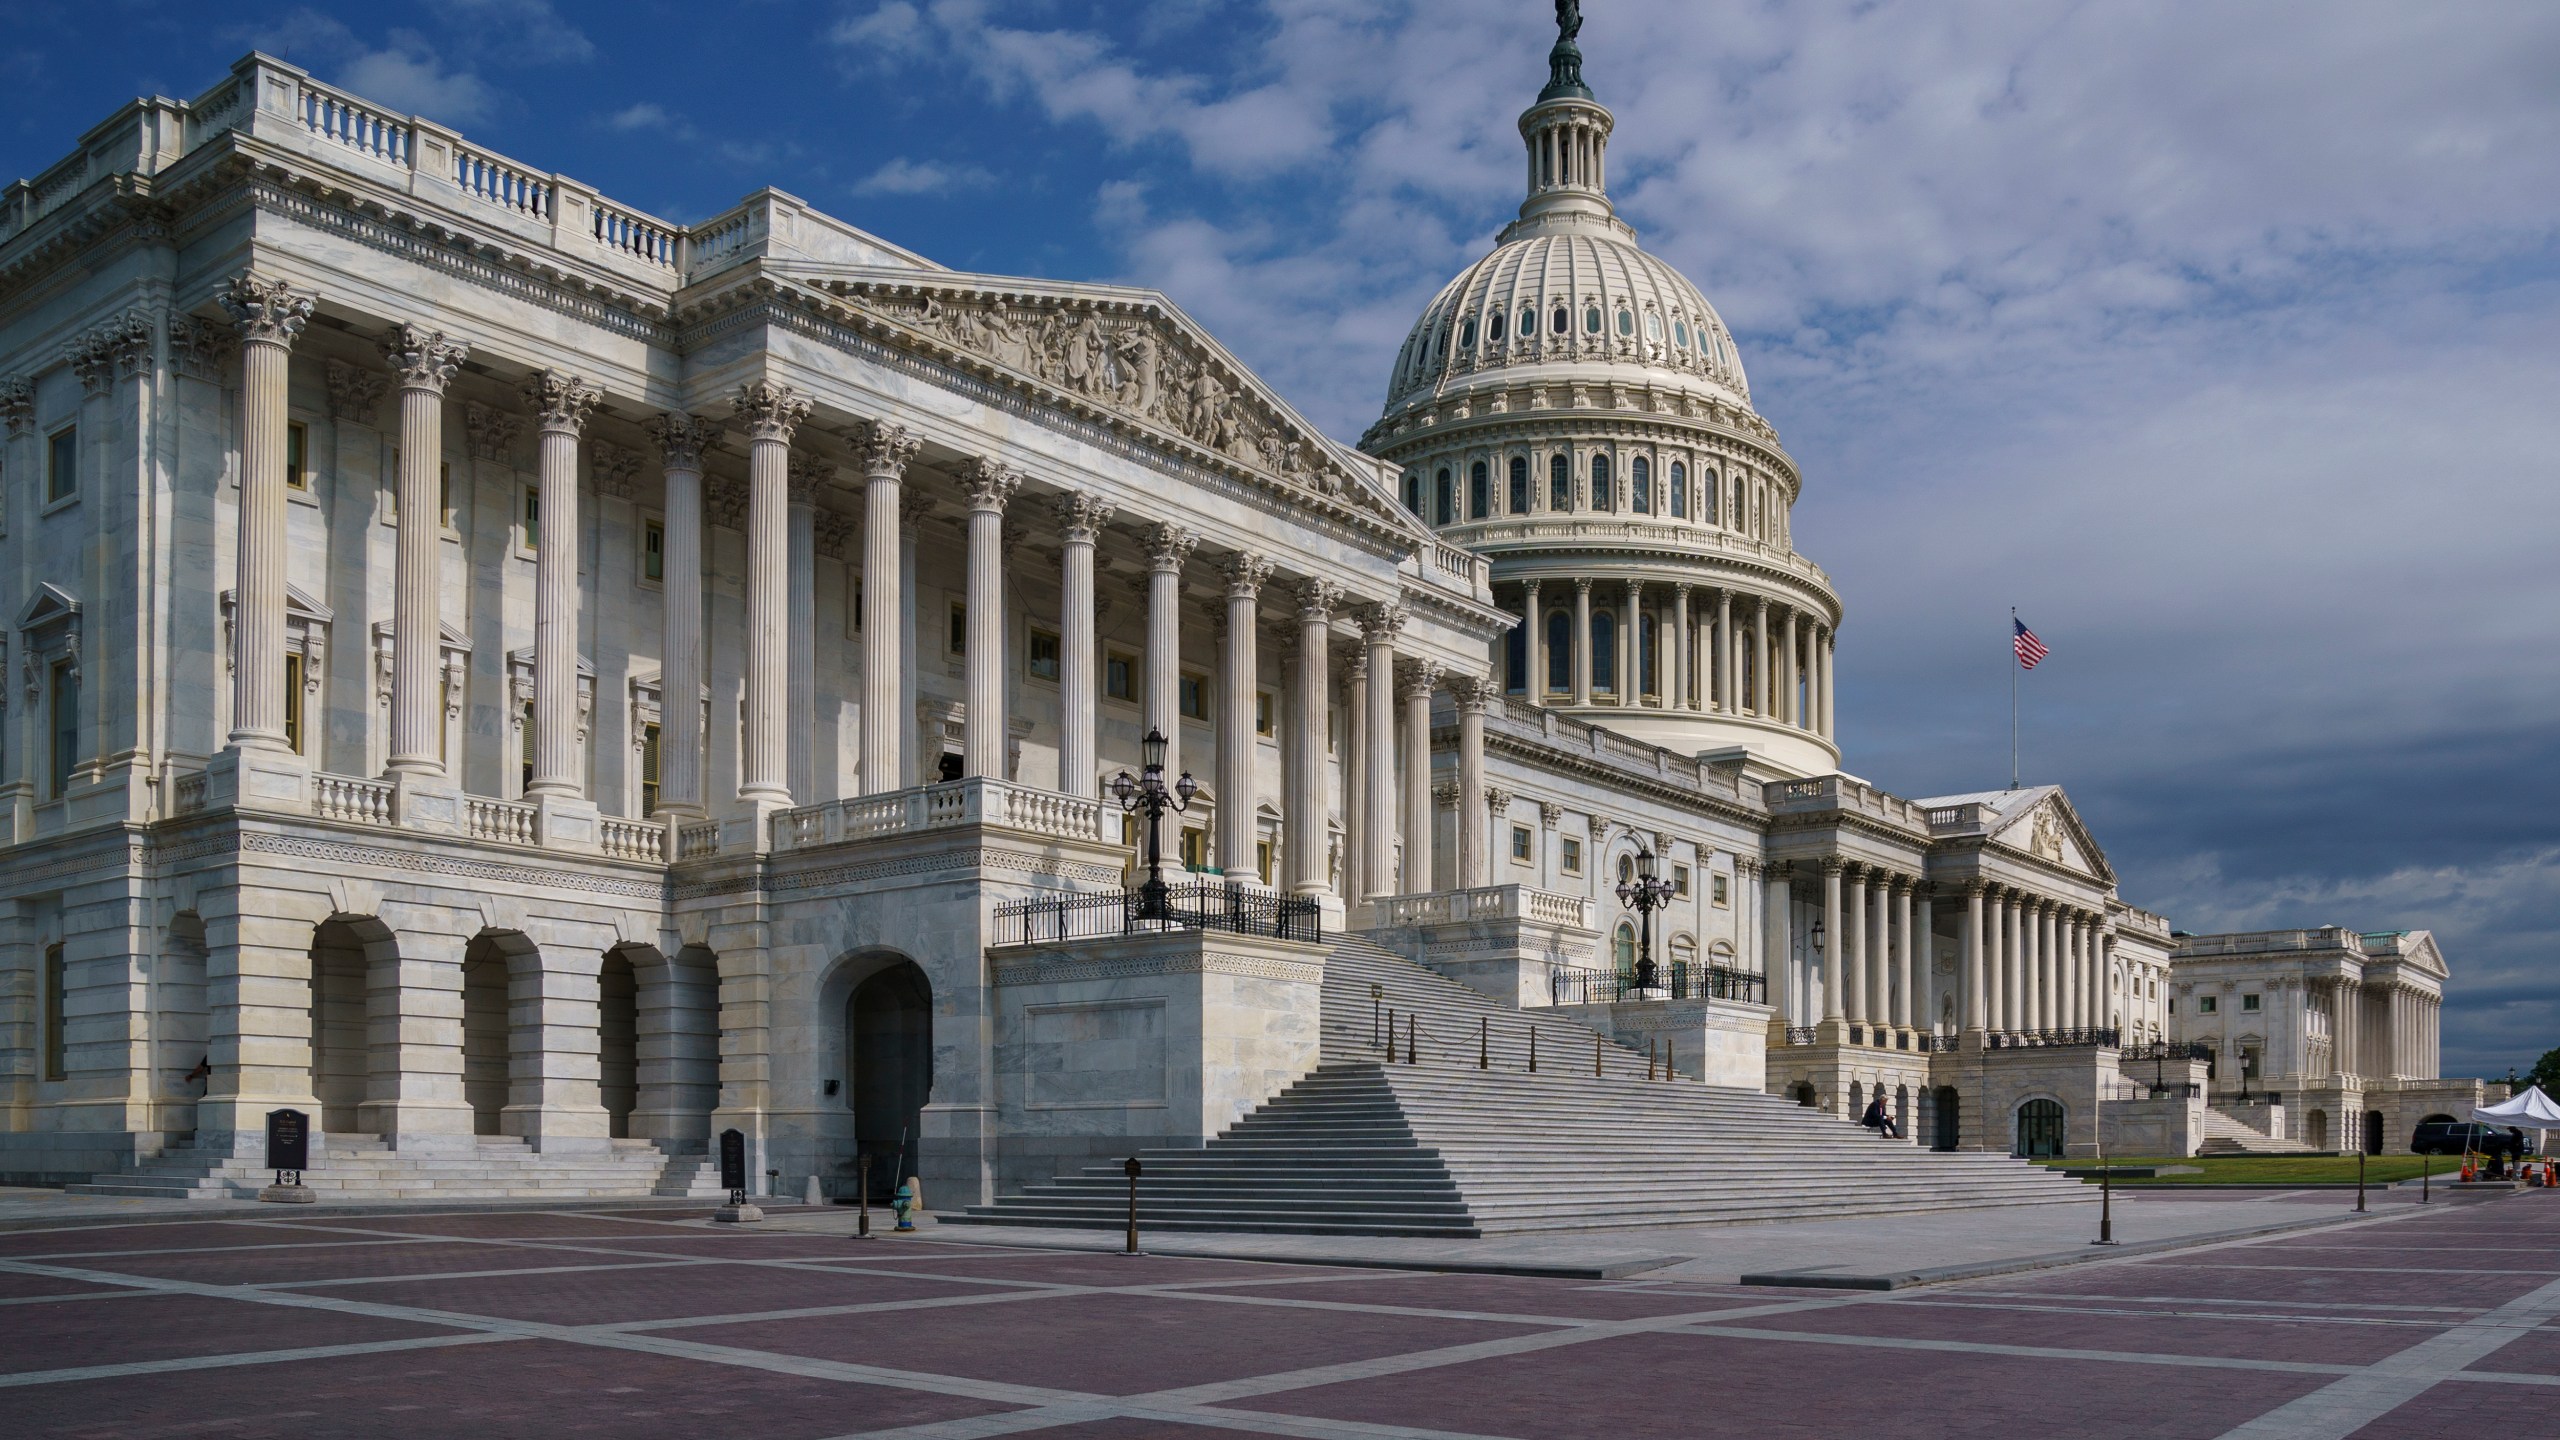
x,y
560,404
1905,1000
1236,745
1828,710
989,486
1760,688
1677,695
1924,991
1582,640
681,439
2013,978
425,362
883,450
1473,693
1977,1011
1080,521
1850,939
1167,547
771,413
808,474
2049,965
1724,653
1777,959
1358,758
1306,835
269,314
1833,1002
1533,651
1380,625
1414,686
1879,949
1630,650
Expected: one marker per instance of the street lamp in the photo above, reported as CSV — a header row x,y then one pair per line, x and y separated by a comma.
x,y
1644,894
1147,792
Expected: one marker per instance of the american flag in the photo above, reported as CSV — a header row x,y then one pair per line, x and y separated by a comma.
x,y
2030,649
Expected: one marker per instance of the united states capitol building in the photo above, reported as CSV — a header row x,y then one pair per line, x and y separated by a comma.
x,y
536,686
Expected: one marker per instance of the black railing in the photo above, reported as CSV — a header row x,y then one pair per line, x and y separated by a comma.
x,y
2044,1039
1936,1043
1680,980
1203,905
2145,1090
2165,1050
1800,1034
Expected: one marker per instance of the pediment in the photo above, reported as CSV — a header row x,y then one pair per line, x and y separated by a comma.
x,y
1133,356
298,605
520,661
448,638
50,605
2052,831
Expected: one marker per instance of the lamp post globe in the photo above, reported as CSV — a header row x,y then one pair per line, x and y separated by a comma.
x,y
1147,792
1645,893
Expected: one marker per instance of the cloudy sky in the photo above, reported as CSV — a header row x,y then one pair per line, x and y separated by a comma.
x,y
2218,339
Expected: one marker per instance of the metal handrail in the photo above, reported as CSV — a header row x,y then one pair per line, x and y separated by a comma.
x,y
1682,980
1207,905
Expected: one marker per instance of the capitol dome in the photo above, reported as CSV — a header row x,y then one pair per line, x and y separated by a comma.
x,y
1571,408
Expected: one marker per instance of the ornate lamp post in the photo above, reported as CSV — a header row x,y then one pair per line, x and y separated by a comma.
x,y
1644,894
1147,792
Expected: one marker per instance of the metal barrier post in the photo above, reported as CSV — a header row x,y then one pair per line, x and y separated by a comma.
x,y
1412,1026
1595,1054
1484,1042
1131,1170
2359,1179
1533,1049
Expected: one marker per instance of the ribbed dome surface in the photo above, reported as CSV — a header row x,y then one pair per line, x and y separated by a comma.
x,y
1618,304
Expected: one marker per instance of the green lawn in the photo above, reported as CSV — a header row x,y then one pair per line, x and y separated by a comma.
x,y
2281,1169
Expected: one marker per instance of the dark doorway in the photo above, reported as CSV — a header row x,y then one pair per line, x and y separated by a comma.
x,y
888,1026
1945,1135
340,1053
2373,1132
484,1034
618,1042
947,768
2040,1129
1804,1095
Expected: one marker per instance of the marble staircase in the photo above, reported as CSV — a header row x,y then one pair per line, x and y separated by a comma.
x,y
2226,1134
355,1167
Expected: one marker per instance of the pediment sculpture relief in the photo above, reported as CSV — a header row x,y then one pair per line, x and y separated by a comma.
x,y
2047,842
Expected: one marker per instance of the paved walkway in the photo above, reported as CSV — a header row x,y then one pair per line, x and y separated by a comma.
x,y
615,1323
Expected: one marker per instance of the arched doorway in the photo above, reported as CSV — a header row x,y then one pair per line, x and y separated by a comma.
x,y
618,1042
485,1034
1804,1095
1902,1112
2315,1129
2373,1132
888,1027
1946,1117
2040,1126
340,1052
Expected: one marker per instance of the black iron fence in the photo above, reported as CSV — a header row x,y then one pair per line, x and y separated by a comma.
x,y
1679,980
2165,1050
1202,905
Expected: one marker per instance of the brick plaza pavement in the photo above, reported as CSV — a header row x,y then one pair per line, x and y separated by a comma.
x,y
563,1326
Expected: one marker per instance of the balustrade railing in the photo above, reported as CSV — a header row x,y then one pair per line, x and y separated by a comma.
x,y
2143,1090
697,839
188,795
2163,1050
1679,980
509,822
1206,905
1802,1034
375,134
633,839
976,801
2048,1039
1486,902
637,236
502,183
352,799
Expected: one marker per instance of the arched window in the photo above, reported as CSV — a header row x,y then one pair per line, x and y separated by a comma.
x,y
1515,652
1561,322
1479,492
1467,334
1625,948
1627,323
1448,497
1679,491
1519,484
1559,650
1711,510
1640,485
1413,492
1600,498
1591,320
1653,327
1559,483
1680,333
1493,327
1528,322
1647,641
1604,651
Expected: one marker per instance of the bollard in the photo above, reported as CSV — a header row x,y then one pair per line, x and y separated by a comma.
x,y
1533,1049
2426,1176
862,1218
813,1194
1131,1170
2359,1182
1377,993
2106,1201
1411,1026
1595,1055
1484,1042
1649,1048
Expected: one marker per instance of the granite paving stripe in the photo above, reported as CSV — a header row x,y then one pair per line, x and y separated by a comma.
x,y
539,1225
616,1296
1497,1294
2477,1410
177,1235
332,1263
1114,1269
2346,1405
2255,1338
2198,1283
15,1289
532,1388
1776,1391
352,1281
1115,1344
39,1381
2066,1297
161,1327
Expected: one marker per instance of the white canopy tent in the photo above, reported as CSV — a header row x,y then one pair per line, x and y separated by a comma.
x,y
2532,1110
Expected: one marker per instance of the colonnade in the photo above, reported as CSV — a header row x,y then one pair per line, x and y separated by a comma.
x,y
1875,959
1393,689
2383,1030
1716,650
2032,963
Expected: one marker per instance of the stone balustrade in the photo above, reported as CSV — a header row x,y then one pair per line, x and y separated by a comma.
x,y
351,799
1486,902
997,803
633,839
509,822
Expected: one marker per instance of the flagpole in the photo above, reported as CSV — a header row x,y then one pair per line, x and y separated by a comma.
x,y
2013,697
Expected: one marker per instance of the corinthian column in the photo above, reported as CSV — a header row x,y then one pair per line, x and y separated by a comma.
x,y
1416,685
1533,640
1676,693
1724,653
425,363
771,414
1761,690
560,403
681,439
1167,547
1380,625
1080,521
884,451
990,486
269,315
1236,745
1976,1015
1474,694
1834,1009
808,474
1306,819
1582,640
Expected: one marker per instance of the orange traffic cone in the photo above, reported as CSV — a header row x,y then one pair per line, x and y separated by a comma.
x,y
2466,1167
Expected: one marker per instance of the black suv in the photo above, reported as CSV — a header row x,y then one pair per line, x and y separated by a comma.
x,y
2453,1137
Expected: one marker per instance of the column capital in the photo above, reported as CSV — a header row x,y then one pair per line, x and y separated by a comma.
x,y
1832,865
1245,572
913,505
1635,588
1760,604
1417,680
881,448
1168,545
560,401
423,359
681,438
770,411
354,392
989,483
1475,693
492,433
615,469
1081,516
1550,814
1355,665
1581,584
831,531
18,404
1497,799
1317,600
266,311
807,473
1382,623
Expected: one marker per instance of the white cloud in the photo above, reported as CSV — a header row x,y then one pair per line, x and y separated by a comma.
x,y
902,176
647,115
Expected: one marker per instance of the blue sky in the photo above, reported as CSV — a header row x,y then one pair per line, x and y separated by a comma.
x,y
2219,339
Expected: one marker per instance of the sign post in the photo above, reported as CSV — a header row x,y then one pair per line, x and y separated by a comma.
x,y
288,1154
733,1178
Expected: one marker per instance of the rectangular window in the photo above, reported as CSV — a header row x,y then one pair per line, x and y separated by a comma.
x,y
1572,857
297,453
1523,844
1195,850
1262,859
1040,657
1262,707
1129,831
1680,881
66,725
2207,1004
2248,1002
1120,676
62,464
525,727
54,977
957,640
444,493
1194,696
293,703
853,605
648,771
1716,890
532,519
653,550
1332,729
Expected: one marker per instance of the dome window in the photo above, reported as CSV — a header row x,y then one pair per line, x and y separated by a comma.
x,y
1519,484
1627,322
1467,335
1591,320
1448,498
1559,483
1679,488
1528,323
1479,492
1563,321
1680,333
1640,485
1600,484
1653,327
1413,493
1493,327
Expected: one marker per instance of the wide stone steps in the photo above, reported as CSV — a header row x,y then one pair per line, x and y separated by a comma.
x,y
2226,1134
1369,1145
364,1167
